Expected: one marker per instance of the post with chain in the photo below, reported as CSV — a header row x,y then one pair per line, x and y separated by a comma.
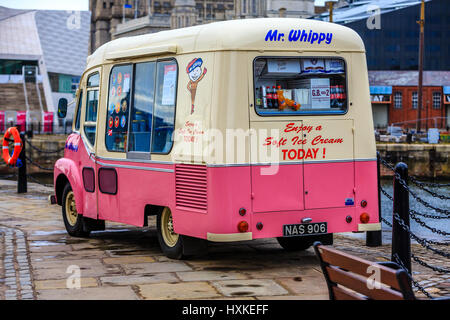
x,y
401,242
22,176
373,238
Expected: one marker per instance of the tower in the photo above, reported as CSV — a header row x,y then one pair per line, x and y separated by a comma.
x,y
250,8
183,14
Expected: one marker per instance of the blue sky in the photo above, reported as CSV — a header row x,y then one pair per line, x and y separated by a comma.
x,y
58,4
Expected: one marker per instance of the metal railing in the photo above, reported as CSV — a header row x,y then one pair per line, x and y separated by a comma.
x,y
401,230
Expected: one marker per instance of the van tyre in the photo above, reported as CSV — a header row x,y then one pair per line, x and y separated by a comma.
x,y
72,220
303,243
174,245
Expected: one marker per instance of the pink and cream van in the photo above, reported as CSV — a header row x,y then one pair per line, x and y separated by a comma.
x,y
230,131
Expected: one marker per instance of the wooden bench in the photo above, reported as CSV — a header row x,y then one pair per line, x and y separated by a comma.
x,y
350,278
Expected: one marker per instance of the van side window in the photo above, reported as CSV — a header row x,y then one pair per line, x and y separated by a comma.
x,y
289,86
78,115
90,120
142,109
118,104
94,80
165,102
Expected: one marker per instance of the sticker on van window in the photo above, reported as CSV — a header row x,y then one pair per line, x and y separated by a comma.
x,y
123,121
113,91
119,78
195,73
116,122
110,122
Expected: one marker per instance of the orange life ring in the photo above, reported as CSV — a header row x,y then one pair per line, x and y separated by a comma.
x,y
11,160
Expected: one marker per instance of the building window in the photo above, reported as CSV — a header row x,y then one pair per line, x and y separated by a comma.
x,y
398,100
437,100
414,100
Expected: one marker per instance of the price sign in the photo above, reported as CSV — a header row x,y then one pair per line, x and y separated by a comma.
x,y
320,93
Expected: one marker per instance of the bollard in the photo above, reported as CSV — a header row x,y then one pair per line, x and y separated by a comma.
x,y
374,238
22,175
401,242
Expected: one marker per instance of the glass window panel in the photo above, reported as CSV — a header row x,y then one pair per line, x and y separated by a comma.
x,y
164,115
142,109
286,86
91,106
398,100
94,80
436,100
80,101
90,133
118,103
91,115
414,100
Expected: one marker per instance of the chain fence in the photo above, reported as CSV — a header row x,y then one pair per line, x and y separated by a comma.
x,y
439,215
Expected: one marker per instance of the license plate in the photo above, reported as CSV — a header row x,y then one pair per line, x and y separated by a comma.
x,y
304,229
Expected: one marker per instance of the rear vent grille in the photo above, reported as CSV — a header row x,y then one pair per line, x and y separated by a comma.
x,y
191,187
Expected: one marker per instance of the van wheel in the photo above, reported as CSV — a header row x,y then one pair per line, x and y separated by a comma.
x,y
303,243
72,220
174,245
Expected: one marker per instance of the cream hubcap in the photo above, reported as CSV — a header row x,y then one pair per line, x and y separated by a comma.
x,y
71,210
169,236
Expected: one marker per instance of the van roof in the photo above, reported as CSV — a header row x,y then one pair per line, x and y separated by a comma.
x,y
267,34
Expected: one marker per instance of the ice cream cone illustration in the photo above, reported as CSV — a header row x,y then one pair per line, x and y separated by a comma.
x,y
195,73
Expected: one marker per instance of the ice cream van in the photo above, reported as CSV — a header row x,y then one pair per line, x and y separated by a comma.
x,y
229,131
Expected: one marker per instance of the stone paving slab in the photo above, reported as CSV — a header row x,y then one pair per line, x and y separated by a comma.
x,y
253,287
62,284
139,279
181,290
102,293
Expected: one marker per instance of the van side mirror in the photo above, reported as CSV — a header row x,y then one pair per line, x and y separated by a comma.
x,y
62,108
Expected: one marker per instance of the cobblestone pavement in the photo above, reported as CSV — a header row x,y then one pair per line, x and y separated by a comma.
x,y
38,260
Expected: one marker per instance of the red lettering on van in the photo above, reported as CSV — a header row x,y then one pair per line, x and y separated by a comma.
x,y
319,140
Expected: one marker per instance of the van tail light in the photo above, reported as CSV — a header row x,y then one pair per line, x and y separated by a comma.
x,y
243,226
364,217
242,211
364,203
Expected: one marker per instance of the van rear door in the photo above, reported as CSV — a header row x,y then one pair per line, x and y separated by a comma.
x,y
329,177
276,186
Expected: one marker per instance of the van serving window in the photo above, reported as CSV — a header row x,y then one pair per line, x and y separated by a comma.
x,y
118,104
165,102
286,86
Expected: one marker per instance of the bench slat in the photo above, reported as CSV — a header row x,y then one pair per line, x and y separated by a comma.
x,y
359,284
358,265
343,294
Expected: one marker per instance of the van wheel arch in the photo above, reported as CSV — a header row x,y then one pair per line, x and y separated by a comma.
x,y
61,182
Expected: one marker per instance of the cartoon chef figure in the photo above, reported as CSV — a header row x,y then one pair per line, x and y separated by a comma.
x,y
194,70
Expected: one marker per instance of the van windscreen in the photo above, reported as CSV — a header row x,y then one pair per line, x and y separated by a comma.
x,y
289,86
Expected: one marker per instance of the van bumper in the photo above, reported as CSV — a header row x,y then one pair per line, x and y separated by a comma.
x,y
369,227
229,237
